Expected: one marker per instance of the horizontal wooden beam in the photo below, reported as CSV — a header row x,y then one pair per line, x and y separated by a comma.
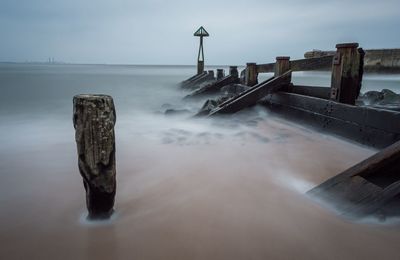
x,y
322,63
191,79
265,68
253,95
214,87
368,126
319,92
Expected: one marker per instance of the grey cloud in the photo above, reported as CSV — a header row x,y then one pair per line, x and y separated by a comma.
x,y
160,32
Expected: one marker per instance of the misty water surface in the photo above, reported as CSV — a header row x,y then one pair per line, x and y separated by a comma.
x,y
228,188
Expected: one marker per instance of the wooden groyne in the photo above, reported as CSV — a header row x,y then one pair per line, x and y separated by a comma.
x,y
331,109
215,87
362,189
198,79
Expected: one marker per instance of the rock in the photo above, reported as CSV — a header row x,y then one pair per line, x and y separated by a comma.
x,y
383,99
371,97
94,119
390,97
211,104
228,92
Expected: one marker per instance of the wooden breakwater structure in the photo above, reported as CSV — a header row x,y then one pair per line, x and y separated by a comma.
x,y
365,188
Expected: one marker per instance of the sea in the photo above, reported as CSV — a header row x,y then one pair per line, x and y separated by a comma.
x,y
187,188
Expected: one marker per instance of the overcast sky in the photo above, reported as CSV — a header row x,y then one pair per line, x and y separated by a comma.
x,y
161,32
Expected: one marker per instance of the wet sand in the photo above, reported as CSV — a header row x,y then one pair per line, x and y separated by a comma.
x,y
188,190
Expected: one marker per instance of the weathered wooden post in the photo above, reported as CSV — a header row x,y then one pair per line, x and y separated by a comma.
x,y
347,72
251,74
233,71
282,65
220,74
94,119
211,74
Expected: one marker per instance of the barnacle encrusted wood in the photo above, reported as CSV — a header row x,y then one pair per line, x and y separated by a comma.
x,y
94,119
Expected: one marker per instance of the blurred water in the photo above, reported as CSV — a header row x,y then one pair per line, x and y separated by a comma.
x,y
229,188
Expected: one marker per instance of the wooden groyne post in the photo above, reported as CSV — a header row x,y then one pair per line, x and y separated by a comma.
x,y
233,71
220,74
347,72
94,119
251,74
282,65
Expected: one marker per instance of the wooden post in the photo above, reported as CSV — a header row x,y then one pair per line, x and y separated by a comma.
x,y
94,119
211,74
233,71
200,66
282,65
347,72
251,74
220,74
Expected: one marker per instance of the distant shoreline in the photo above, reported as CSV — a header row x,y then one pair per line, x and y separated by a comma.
x,y
367,68
111,64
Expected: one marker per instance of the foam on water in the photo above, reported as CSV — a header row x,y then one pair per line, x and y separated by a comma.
x,y
85,221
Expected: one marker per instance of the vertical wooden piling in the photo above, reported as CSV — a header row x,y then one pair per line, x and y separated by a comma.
x,y
251,77
211,74
282,65
94,119
347,72
220,74
233,71
200,66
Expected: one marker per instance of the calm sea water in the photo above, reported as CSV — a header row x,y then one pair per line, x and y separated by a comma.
x,y
187,189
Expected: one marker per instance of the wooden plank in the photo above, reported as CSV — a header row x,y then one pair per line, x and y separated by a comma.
x,y
265,68
214,87
319,92
355,192
194,83
372,127
191,79
322,63
251,96
388,156
376,118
